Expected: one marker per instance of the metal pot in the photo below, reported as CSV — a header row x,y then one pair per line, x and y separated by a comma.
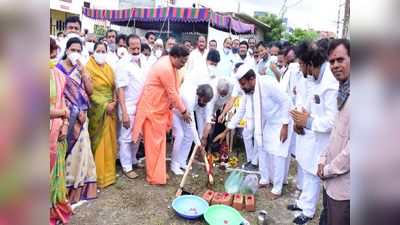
x,y
262,217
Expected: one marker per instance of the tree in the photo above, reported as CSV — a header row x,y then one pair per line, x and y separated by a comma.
x,y
274,33
300,35
99,31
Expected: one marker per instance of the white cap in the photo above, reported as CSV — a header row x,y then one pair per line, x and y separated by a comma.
x,y
159,41
243,69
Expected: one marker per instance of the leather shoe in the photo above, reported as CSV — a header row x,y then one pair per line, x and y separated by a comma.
x,y
138,166
294,207
131,174
302,219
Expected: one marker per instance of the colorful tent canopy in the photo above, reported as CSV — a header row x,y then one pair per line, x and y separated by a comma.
x,y
184,20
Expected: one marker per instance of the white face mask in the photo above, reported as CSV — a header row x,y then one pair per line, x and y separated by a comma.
x,y
89,46
61,39
71,35
100,58
310,78
147,58
274,59
251,51
73,57
211,68
135,57
121,52
158,53
227,50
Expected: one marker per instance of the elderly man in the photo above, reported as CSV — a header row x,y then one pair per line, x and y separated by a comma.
x,y
194,99
243,57
334,163
154,115
212,45
112,58
318,116
169,44
224,67
131,75
223,88
158,48
90,40
199,54
266,107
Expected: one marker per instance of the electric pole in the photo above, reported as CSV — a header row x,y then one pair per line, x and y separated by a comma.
x,y
346,19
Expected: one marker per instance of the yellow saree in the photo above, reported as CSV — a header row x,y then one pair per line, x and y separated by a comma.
x,y
102,126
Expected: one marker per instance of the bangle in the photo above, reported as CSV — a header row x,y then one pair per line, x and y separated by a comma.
x,y
66,113
65,123
84,75
184,111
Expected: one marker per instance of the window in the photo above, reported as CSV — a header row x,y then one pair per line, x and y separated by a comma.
x,y
86,4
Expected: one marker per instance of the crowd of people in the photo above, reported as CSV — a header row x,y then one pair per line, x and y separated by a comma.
x,y
110,94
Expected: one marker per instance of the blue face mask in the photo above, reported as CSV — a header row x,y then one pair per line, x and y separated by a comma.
x,y
234,50
112,47
168,50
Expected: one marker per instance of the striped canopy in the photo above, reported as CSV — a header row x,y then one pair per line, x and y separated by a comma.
x,y
184,20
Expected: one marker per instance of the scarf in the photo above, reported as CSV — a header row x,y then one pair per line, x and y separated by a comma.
x,y
258,123
344,92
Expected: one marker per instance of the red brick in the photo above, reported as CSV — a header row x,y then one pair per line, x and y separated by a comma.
x,y
250,203
216,200
208,196
238,202
227,199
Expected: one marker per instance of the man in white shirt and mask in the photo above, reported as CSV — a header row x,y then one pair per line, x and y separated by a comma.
x,y
158,48
112,58
224,67
267,109
222,88
90,40
131,74
146,51
73,28
243,57
318,116
194,99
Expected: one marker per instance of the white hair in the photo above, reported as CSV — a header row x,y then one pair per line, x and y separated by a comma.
x,y
223,84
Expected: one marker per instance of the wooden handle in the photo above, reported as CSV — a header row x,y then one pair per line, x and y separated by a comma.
x,y
210,176
179,192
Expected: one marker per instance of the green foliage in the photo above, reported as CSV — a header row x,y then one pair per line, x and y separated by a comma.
x,y
99,31
274,33
300,35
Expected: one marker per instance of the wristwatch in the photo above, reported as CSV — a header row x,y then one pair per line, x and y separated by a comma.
x,y
65,123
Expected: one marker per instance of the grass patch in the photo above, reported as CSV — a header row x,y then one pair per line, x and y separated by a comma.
x,y
119,185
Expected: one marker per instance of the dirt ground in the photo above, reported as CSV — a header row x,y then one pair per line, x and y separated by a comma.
x,y
136,202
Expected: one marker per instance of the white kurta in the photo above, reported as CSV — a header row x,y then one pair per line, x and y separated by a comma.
x,y
112,59
218,102
133,78
198,75
194,57
184,133
249,61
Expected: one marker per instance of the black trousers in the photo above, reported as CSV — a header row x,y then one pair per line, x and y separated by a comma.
x,y
323,220
218,129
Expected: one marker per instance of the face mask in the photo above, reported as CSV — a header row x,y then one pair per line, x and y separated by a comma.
x,y
53,63
310,78
71,35
61,39
283,70
100,58
242,56
82,39
112,47
158,53
73,57
294,67
135,57
265,57
202,48
257,58
147,58
226,50
274,59
168,50
121,52
235,50
89,46
211,68
251,51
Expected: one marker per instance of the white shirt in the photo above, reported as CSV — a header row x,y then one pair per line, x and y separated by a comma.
x,y
152,59
193,58
112,59
288,82
217,102
199,74
237,90
248,60
189,100
130,75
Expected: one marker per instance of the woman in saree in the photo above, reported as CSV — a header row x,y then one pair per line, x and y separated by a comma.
x,y
102,116
81,179
60,207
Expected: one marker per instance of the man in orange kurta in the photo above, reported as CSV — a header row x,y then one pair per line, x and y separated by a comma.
x,y
154,114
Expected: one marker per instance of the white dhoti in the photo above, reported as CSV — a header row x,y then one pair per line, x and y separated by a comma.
x,y
251,149
128,148
309,197
182,143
